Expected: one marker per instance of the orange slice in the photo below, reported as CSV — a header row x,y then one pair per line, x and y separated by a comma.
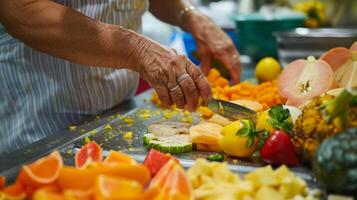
x,y
136,172
47,194
172,182
84,178
110,188
118,157
90,152
43,171
78,194
77,179
13,192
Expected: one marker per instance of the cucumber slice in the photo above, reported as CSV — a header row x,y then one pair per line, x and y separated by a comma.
x,y
168,137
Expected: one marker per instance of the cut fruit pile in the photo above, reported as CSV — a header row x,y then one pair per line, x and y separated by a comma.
x,y
118,177
160,177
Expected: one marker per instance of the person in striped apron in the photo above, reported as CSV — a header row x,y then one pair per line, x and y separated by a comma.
x,y
64,60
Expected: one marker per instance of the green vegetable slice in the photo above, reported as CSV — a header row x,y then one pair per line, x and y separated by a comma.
x,y
216,157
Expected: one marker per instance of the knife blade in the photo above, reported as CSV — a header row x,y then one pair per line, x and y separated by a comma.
x,y
230,110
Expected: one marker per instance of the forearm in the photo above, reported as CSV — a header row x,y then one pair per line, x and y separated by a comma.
x,y
171,11
63,32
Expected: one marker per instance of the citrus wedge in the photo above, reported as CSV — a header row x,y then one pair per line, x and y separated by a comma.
x,y
110,188
172,182
76,179
13,192
78,194
47,194
136,172
118,157
90,152
43,171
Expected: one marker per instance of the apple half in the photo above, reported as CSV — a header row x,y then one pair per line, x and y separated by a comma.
x,y
301,80
341,61
337,57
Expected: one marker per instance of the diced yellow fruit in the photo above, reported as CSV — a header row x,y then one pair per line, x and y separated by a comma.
x,y
205,133
128,135
87,140
291,187
244,188
283,172
218,119
262,177
268,193
108,127
206,112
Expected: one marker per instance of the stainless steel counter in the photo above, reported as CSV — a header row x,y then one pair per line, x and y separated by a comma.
x,y
111,137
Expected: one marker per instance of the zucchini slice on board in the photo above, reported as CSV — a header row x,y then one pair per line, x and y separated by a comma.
x,y
169,137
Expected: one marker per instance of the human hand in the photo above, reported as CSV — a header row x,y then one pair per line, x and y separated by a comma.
x,y
175,79
213,43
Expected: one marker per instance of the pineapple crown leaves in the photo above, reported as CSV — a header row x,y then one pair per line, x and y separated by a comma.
x,y
338,106
279,118
248,130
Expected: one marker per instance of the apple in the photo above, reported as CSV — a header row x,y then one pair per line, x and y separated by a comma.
x,y
340,60
301,80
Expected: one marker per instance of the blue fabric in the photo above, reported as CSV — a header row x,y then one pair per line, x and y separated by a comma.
x,y
41,94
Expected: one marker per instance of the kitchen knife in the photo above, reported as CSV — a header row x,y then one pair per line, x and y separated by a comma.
x,y
230,110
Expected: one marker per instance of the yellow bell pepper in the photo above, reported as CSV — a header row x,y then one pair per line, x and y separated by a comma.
x,y
238,143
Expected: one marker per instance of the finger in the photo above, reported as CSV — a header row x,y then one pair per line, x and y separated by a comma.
x,y
191,93
232,63
205,58
164,96
201,82
187,85
177,96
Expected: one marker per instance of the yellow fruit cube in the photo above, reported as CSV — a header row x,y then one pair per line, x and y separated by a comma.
x,y
262,177
291,187
244,188
268,193
283,172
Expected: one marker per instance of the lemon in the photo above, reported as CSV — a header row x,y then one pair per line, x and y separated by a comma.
x,y
267,69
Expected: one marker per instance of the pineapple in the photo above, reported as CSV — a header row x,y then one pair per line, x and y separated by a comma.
x,y
321,118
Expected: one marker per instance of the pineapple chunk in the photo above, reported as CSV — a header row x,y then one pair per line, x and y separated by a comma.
x,y
268,193
291,187
262,177
244,188
282,173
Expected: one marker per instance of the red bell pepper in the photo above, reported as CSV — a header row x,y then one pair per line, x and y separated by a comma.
x,y
278,149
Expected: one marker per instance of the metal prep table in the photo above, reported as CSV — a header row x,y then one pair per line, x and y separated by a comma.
x,y
68,142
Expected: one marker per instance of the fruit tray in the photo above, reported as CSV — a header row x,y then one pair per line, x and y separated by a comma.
x,y
112,132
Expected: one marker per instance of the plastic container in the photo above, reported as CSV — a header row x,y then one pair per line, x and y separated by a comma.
x,y
255,32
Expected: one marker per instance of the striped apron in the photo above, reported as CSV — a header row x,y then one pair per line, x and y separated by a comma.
x,y
41,94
